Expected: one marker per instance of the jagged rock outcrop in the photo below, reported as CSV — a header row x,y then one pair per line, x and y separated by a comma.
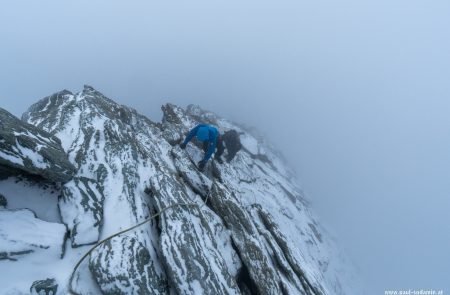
x,y
117,150
256,177
24,147
241,227
44,287
22,234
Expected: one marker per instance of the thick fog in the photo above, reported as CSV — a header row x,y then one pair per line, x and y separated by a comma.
x,y
356,94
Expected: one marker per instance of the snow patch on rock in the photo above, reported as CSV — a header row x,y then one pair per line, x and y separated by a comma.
x,y
21,233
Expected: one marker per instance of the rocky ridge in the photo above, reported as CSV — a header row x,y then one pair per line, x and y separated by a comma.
x,y
251,233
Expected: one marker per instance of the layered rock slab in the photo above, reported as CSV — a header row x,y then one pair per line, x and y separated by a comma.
x,y
22,234
26,148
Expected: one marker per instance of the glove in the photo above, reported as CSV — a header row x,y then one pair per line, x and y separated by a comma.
x,y
201,164
219,160
182,145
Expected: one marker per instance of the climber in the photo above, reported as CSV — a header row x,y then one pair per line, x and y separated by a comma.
x,y
212,139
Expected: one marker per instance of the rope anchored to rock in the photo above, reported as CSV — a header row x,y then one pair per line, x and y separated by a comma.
x,y
72,291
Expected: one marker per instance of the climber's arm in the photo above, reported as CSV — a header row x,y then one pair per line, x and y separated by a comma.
x,y
191,134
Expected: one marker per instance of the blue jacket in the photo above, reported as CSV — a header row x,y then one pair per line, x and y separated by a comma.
x,y
207,133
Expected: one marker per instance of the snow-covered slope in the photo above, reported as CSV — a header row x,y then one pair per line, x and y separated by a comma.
x,y
250,231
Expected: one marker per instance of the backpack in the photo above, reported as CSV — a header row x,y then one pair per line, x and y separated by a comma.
x,y
232,143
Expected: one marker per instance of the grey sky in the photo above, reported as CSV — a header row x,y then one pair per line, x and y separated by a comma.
x,y
355,93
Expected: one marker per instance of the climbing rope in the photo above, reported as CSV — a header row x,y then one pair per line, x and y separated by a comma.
x,y
72,291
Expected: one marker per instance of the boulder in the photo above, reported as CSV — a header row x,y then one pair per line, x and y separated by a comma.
x,y
29,149
44,287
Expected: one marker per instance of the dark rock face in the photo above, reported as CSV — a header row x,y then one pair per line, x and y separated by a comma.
x,y
44,287
26,148
3,201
